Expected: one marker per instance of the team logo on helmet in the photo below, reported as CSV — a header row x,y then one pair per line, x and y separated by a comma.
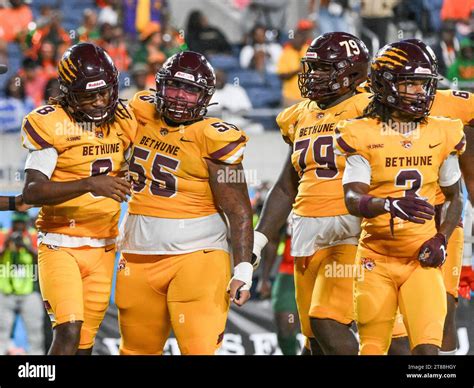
x,y
67,69
390,58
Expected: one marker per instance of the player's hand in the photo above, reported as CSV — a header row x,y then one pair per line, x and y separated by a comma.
x,y
410,208
237,294
21,206
259,242
109,186
239,285
433,252
264,288
466,282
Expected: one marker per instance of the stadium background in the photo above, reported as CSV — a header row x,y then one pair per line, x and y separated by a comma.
x,y
34,34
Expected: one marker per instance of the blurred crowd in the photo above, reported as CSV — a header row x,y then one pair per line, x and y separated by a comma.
x,y
260,71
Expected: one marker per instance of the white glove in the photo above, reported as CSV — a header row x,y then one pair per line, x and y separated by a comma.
x,y
243,272
259,242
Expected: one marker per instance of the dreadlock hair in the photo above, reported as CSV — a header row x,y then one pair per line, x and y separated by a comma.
x,y
383,113
121,111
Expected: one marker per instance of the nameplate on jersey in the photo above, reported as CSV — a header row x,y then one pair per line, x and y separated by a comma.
x,y
328,127
159,145
408,161
101,149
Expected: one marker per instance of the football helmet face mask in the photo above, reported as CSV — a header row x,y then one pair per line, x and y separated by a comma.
x,y
404,78
334,64
88,79
184,87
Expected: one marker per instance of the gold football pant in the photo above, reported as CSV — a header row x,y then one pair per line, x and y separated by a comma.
x,y
392,282
75,285
186,293
451,271
324,285
452,267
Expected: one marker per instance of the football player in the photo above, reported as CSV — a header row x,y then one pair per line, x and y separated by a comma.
x,y
397,156
324,235
455,104
187,177
77,149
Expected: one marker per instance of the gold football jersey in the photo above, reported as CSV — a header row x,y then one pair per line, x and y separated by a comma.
x,y
310,130
81,153
454,104
168,164
400,165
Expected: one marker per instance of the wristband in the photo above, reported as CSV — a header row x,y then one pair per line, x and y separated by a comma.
x,y
259,242
243,272
11,203
364,206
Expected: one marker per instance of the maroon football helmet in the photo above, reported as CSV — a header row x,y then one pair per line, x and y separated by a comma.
x,y
426,49
334,64
185,71
84,70
401,62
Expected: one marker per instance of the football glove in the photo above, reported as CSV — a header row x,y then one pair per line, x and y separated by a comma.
x,y
433,252
408,208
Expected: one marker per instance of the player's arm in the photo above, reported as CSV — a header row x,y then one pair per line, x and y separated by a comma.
x,y
269,254
40,190
234,200
356,196
276,208
450,184
277,205
466,162
453,196
356,183
433,251
13,203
